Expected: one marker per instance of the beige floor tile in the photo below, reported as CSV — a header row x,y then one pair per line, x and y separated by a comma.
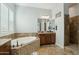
x,y
54,50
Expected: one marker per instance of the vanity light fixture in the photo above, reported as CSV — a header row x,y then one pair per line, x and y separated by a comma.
x,y
44,17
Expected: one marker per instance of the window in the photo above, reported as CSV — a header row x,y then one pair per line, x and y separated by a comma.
x,y
4,19
11,21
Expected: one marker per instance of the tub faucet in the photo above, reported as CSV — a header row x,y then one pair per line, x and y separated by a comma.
x,y
17,44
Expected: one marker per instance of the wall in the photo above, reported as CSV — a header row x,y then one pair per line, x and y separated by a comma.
x,y
11,6
66,8
26,18
74,23
74,10
66,30
60,24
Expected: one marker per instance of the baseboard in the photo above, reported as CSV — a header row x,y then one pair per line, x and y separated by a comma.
x,y
59,45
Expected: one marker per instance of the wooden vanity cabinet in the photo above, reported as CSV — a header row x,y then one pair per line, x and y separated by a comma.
x,y
47,38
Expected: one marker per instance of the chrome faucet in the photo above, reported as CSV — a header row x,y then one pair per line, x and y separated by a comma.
x,y
17,44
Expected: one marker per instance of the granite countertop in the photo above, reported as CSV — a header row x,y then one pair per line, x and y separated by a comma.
x,y
45,32
3,41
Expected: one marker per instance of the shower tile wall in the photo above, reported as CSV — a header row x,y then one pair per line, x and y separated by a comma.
x,y
78,32
66,28
71,30
74,29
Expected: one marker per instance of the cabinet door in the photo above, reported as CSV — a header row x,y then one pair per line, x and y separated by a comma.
x,y
53,38
41,36
48,39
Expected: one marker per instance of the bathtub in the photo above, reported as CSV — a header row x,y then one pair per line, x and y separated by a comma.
x,y
25,45
22,41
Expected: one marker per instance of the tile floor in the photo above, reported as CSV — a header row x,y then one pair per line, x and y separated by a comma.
x,y
72,49
54,50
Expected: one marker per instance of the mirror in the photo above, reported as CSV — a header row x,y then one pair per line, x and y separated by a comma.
x,y
46,25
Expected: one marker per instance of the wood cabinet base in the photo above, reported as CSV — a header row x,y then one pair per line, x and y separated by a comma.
x,y
47,38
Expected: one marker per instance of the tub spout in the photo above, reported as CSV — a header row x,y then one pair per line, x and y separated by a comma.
x,y
17,44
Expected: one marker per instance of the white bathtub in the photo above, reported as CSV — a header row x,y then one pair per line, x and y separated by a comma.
x,y
26,45
23,41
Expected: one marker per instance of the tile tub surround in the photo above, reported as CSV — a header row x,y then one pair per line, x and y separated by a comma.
x,y
10,36
5,48
18,35
3,41
27,49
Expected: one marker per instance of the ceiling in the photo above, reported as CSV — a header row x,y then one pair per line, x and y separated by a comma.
x,y
46,5
38,5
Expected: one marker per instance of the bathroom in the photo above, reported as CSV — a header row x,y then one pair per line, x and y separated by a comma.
x,y
32,29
